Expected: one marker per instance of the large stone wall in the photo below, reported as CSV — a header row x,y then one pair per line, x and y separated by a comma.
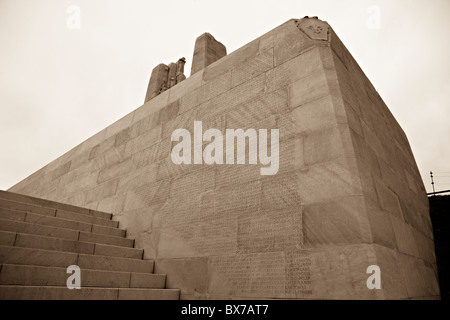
x,y
347,194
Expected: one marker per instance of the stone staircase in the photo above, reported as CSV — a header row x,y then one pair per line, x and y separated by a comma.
x,y
39,239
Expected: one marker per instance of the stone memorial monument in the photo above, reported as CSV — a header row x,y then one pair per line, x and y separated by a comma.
x,y
345,205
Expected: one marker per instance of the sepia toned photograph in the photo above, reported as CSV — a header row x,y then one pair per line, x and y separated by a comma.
x,y
200,150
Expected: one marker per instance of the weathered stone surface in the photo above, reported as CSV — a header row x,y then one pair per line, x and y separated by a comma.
x,y
163,78
206,51
148,294
114,263
23,227
29,256
114,251
158,81
49,243
339,202
7,238
56,293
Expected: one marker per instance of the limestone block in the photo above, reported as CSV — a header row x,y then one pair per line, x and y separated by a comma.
x,y
292,155
78,161
101,191
169,112
147,195
143,141
12,214
393,284
306,117
388,199
23,227
290,42
142,280
252,67
152,105
85,218
309,89
112,204
149,242
315,183
100,238
404,236
249,114
343,269
294,69
148,294
179,248
102,147
108,231
420,278
228,62
57,222
119,125
235,96
28,256
13,205
334,222
191,280
183,88
48,243
122,137
7,238
270,230
114,263
50,276
143,125
121,252
116,170
92,141
381,227
139,177
425,246
325,145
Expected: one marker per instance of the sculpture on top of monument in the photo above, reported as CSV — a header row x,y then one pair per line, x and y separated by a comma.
x,y
207,50
164,77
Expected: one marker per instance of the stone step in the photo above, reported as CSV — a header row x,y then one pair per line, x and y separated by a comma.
x,y
60,223
40,257
114,263
62,293
10,214
52,204
39,239
50,243
11,274
12,205
87,219
61,233
42,230
121,252
7,238
149,294
106,239
115,232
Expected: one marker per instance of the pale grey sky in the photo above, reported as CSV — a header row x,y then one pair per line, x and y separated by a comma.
x,y
60,86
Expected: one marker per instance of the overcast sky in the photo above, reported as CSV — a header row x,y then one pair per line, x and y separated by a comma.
x,y
59,85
